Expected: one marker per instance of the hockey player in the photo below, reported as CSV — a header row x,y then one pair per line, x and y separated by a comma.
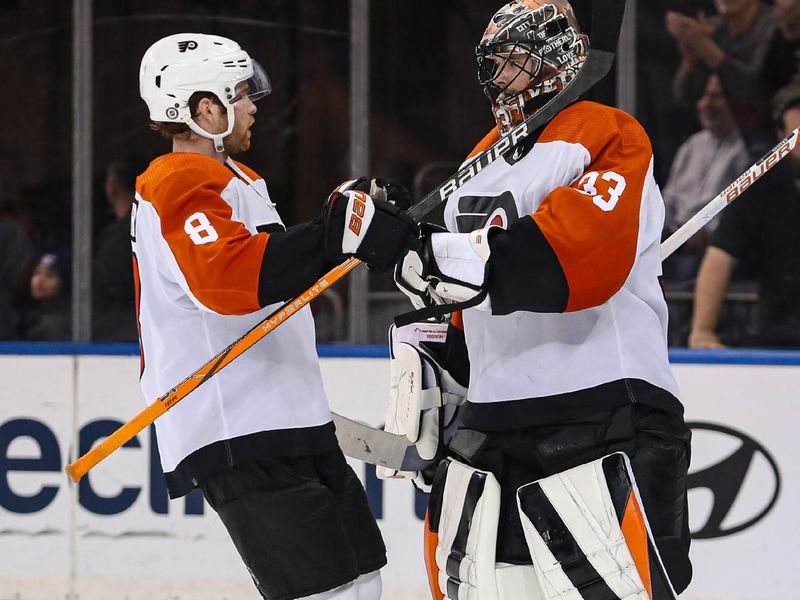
x,y
553,254
211,259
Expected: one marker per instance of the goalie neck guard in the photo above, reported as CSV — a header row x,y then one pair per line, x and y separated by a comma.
x,y
531,50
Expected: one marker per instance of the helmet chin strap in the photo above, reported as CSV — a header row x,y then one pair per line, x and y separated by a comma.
x,y
214,137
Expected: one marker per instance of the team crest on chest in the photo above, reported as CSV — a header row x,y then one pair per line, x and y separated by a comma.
x,y
475,212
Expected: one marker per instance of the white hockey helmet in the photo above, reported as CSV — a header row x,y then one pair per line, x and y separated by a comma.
x,y
177,66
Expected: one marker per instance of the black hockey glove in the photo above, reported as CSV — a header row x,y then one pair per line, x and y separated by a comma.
x,y
373,230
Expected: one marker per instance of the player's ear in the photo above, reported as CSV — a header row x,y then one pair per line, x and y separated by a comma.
x,y
207,106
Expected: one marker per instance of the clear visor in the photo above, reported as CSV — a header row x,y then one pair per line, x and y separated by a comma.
x,y
260,85
254,88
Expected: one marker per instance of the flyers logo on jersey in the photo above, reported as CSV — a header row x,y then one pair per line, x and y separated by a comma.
x,y
359,209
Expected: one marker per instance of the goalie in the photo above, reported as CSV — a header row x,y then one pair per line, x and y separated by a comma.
x,y
567,475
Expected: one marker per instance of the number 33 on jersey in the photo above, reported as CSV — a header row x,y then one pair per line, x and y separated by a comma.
x,y
614,183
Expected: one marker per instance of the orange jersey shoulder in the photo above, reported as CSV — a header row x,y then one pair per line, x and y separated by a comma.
x,y
587,123
172,175
595,126
219,258
593,224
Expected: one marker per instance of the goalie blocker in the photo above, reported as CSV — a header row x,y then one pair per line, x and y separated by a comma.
x,y
585,528
423,398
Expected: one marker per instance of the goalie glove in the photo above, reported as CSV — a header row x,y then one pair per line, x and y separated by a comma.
x,y
423,397
447,268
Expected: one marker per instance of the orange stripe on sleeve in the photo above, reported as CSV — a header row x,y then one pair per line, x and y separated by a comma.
x,y
593,224
219,258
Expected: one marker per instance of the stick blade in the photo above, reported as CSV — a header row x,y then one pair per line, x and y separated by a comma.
x,y
371,445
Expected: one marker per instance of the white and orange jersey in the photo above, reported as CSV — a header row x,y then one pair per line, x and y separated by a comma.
x,y
201,240
575,297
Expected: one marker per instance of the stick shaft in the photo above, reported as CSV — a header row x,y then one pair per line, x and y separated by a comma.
x,y
126,432
729,194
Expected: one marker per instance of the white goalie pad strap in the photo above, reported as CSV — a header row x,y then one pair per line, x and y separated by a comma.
x,y
465,554
589,537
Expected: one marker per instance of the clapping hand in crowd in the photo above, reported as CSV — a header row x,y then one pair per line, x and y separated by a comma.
x,y
694,38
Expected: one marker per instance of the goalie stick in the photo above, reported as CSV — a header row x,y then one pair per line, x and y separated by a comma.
x,y
729,194
394,451
606,23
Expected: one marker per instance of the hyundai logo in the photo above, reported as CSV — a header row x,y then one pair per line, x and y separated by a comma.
x,y
738,480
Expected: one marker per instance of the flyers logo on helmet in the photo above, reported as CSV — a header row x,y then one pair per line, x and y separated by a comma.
x,y
187,45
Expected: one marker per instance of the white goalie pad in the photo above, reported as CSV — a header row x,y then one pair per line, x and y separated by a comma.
x,y
465,551
422,394
589,536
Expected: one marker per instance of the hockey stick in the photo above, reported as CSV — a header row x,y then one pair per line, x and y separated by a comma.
x,y
126,432
606,22
394,451
729,194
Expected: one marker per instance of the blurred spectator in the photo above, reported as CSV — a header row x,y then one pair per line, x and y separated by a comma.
x,y
703,166
731,44
657,59
782,61
49,319
761,225
15,259
113,308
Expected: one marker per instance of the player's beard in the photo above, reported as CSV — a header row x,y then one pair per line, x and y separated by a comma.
x,y
238,141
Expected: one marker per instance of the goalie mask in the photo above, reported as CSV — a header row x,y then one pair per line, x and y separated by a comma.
x,y
177,66
531,50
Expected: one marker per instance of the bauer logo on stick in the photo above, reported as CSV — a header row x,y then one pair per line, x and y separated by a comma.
x,y
754,173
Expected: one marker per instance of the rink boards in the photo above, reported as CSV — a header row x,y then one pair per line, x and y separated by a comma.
x,y
116,536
